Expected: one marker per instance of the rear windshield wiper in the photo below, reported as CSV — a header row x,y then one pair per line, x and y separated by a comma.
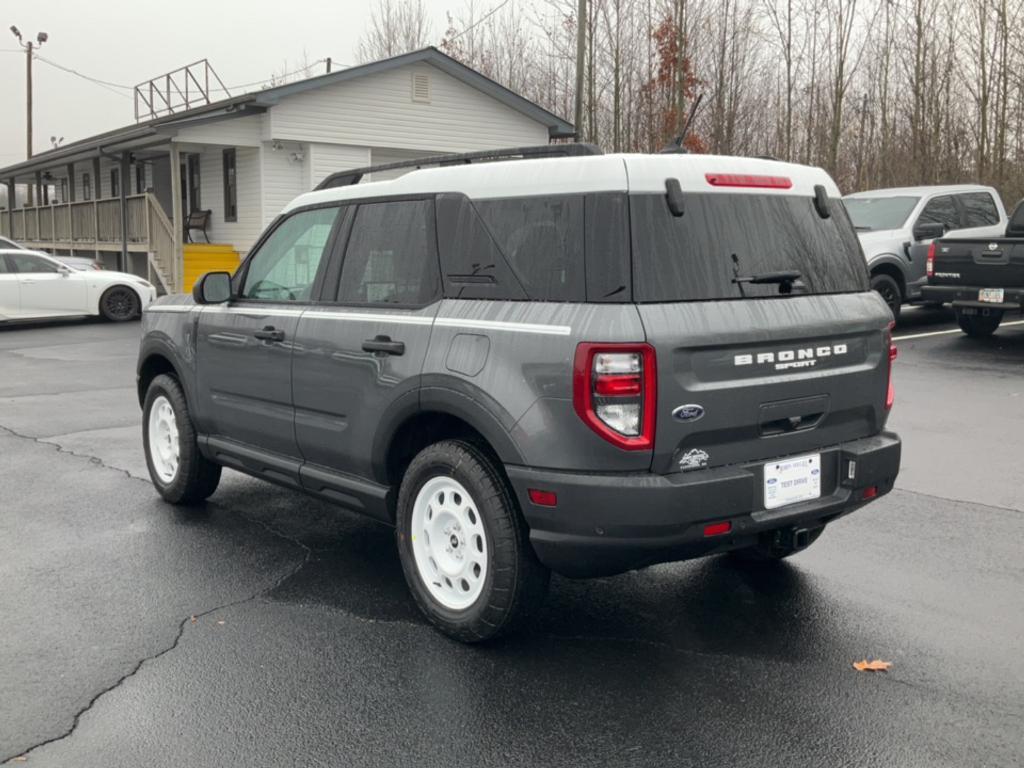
x,y
861,228
787,276
784,279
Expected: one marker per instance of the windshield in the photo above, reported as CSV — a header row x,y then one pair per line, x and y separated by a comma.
x,y
869,213
723,240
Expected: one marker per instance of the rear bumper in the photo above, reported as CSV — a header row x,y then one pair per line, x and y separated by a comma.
x,y
967,296
610,523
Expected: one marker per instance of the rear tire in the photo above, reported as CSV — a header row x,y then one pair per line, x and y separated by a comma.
x,y
180,473
119,303
979,326
889,289
769,551
463,544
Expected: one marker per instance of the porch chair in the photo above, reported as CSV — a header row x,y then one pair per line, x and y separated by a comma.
x,y
197,220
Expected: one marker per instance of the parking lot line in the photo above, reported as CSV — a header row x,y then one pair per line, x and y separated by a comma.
x,y
946,333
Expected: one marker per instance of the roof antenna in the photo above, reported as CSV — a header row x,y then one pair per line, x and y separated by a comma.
x,y
675,147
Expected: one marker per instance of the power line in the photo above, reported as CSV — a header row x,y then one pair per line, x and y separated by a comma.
x,y
102,83
481,20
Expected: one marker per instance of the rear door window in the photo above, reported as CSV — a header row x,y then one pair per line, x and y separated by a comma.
x,y
542,239
941,210
698,256
979,209
391,257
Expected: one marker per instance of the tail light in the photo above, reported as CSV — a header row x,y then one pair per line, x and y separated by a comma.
x,y
929,268
615,391
890,394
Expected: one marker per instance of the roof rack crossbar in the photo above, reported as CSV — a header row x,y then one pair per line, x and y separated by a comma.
x,y
355,175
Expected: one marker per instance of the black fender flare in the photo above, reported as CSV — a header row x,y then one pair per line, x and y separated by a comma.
x,y
454,397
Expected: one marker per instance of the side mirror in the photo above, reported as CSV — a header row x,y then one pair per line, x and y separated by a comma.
x,y
64,270
212,288
929,231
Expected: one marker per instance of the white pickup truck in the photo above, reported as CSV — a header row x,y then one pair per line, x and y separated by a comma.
x,y
891,222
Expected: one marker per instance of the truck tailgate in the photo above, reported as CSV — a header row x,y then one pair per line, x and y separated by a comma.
x,y
993,263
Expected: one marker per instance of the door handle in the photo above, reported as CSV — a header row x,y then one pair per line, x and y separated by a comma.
x,y
269,333
383,345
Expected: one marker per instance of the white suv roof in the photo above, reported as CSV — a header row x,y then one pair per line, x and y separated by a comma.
x,y
598,173
936,189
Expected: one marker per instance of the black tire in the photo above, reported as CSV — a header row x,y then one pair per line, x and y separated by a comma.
x,y
889,289
196,477
119,303
769,550
515,582
979,326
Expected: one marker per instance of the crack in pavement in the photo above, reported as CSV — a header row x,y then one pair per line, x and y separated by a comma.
x,y
61,449
307,556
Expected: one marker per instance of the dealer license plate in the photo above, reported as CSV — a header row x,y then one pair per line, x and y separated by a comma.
x,y
792,480
991,295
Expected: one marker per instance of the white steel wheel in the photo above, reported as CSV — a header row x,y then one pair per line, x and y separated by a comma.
x,y
164,445
449,543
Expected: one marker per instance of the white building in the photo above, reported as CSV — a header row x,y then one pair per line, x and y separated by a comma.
x,y
243,158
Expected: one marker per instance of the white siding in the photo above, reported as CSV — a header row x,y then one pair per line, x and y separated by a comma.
x,y
242,233
378,110
237,132
386,155
330,158
284,178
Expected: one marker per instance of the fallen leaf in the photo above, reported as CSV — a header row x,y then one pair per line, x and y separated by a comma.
x,y
220,621
20,759
193,619
872,666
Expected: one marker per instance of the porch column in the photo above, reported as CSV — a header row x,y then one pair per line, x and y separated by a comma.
x,y
12,203
177,222
122,188
71,183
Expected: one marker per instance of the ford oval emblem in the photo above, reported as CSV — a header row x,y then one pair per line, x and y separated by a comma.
x,y
690,412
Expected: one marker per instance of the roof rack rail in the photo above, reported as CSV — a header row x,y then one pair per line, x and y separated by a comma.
x,y
355,175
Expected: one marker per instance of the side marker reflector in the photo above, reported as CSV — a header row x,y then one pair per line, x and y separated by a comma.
x,y
718,529
543,498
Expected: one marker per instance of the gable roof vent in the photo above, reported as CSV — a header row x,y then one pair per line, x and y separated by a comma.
x,y
421,87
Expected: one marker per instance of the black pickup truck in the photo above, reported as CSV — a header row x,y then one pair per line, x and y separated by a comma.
x,y
981,278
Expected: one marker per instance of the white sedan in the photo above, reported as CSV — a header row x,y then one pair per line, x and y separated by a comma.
x,y
34,286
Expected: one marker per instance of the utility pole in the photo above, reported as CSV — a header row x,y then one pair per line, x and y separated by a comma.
x,y
581,55
29,46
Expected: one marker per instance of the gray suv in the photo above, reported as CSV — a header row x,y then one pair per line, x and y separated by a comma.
x,y
585,364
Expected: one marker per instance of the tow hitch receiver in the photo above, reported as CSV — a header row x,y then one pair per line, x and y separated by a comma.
x,y
791,539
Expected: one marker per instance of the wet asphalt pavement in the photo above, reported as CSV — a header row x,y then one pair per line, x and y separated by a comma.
x,y
270,629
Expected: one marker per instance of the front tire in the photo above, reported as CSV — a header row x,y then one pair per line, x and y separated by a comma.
x,y
979,326
463,544
119,303
180,473
889,289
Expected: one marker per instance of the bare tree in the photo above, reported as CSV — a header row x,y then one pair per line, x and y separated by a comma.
x,y
396,27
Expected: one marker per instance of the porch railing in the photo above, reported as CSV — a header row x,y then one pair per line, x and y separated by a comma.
x,y
96,224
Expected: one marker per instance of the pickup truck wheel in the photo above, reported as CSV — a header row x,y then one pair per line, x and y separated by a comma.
x,y
180,473
979,326
887,287
769,550
119,303
463,544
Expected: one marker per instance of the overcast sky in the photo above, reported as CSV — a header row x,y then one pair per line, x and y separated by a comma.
x,y
128,42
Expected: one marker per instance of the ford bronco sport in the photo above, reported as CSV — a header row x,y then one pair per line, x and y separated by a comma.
x,y
586,364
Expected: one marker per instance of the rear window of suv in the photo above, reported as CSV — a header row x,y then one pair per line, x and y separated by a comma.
x,y
719,237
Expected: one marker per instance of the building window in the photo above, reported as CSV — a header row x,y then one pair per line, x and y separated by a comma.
x,y
115,182
140,178
64,191
194,185
230,186
86,187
